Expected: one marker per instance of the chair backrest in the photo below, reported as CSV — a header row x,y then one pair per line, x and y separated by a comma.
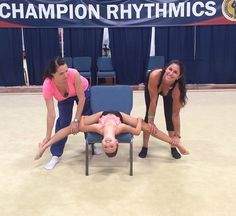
x,y
82,63
104,63
111,98
68,61
156,62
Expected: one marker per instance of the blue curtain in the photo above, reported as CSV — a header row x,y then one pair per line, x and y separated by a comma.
x,y
207,51
176,43
215,54
130,49
84,42
11,61
40,45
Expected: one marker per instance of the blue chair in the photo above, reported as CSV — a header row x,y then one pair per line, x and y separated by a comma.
x,y
68,61
155,62
83,65
105,68
105,98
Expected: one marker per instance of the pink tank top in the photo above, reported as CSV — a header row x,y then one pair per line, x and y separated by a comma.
x,y
104,118
50,90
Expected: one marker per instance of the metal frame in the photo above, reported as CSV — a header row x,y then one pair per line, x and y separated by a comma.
x,y
87,157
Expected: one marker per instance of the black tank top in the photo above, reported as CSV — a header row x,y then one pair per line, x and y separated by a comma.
x,y
170,89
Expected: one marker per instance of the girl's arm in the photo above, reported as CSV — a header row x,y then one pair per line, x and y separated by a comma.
x,y
124,128
87,123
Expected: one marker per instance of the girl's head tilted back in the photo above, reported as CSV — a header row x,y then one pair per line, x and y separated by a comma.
x,y
112,154
180,80
52,67
110,146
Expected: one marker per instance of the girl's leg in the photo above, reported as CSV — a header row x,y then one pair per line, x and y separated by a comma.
x,y
56,137
157,134
164,137
145,127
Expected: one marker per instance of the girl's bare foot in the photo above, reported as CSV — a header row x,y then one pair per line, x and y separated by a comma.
x,y
37,156
40,152
41,144
182,149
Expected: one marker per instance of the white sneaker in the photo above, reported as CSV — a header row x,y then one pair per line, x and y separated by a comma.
x,y
52,163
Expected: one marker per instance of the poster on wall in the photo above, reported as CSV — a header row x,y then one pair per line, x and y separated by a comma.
x,y
115,13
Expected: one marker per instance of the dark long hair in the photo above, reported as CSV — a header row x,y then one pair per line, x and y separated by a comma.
x,y
181,81
53,66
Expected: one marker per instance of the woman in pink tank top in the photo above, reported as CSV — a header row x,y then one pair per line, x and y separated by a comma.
x,y
66,86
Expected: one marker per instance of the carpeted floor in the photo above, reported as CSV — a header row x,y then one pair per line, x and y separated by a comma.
x,y
201,184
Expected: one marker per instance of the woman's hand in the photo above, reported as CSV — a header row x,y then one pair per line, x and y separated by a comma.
x,y
74,127
152,128
175,141
138,126
45,140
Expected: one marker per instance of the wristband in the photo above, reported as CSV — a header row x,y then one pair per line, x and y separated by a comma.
x,y
151,116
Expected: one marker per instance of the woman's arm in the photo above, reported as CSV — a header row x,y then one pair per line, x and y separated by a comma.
x,y
81,100
80,94
154,80
176,111
51,115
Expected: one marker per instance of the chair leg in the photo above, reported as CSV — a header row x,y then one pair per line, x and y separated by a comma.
x,y
92,148
87,158
131,158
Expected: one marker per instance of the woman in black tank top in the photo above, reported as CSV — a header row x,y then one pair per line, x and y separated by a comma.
x,y
169,83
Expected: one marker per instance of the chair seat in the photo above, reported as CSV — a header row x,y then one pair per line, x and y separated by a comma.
x,y
102,74
122,138
155,62
105,68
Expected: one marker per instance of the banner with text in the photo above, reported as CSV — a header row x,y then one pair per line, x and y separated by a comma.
x,y
115,13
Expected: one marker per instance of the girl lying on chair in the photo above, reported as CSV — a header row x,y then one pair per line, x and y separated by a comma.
x,y
109,124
